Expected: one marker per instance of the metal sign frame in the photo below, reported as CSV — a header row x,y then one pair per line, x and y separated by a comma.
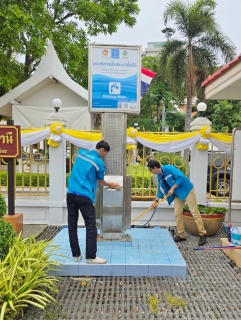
x,y
10,141
114,78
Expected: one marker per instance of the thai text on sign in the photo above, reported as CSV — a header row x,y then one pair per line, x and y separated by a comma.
x,y
10,143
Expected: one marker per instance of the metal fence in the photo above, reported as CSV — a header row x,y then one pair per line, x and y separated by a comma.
x,y
218,173
143,182
32,170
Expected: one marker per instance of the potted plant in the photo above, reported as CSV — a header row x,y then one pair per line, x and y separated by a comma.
x,y
213,218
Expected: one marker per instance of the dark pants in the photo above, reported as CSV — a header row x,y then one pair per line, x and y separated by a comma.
x,y
74,204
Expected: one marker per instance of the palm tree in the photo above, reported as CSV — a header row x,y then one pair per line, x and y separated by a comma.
x,y
182,61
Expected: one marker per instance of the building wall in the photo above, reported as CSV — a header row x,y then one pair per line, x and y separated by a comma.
x,y
153,49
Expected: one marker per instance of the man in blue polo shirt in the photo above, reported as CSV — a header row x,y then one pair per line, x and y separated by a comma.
x,y
178,188
88,169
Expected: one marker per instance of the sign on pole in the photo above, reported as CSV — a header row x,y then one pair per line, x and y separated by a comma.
x,y
114,78
10,143
10,149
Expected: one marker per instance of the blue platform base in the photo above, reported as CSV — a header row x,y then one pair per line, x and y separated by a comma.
x,y
152,253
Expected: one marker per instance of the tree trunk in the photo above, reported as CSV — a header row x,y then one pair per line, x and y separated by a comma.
x,y
2,91
190,87
28,61
188,113
202,96
158,114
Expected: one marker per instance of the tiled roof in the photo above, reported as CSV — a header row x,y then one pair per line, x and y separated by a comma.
x,y
218,73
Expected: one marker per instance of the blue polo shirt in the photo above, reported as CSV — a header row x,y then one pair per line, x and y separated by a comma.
x,y
172,175
87,170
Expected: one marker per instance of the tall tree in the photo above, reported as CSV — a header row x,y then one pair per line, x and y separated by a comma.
x,y
25,26
218,112
182,61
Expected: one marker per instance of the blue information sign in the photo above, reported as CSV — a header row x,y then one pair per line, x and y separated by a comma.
x,y
114,78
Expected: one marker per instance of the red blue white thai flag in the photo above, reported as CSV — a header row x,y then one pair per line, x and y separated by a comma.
x,y
146,78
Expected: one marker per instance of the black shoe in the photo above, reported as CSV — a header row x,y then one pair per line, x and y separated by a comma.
x,y
178,239
202,240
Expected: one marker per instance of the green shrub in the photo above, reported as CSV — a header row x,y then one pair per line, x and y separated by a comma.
x,y
4,178
138,182
67,178
32,179
24,277
7,233
7,236
141,177
3,206
27,179
207,209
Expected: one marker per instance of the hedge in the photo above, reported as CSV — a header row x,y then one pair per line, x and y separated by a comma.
x,y
38,180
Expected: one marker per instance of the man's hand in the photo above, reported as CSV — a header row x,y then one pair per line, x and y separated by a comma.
x,y
154,204
170,192
111,185
114,185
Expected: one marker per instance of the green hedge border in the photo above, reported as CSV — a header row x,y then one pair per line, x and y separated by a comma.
x,y
38,180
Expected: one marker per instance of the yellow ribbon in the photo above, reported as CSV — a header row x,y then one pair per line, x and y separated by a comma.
x,y
204,142
55,130
132,132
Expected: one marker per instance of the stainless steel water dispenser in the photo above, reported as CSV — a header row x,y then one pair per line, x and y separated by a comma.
x,y
113,208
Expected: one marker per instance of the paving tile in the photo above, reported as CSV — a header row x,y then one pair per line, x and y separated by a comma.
x,y
152,252
89,270
137,270
178,271
112,270
164,270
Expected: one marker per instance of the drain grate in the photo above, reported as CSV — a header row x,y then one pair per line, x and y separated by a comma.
x,y
49,233
212,290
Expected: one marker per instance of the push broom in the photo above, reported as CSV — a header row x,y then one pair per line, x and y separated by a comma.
x,y
217,248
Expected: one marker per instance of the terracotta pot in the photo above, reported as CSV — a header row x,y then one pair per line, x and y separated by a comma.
x,y
212,223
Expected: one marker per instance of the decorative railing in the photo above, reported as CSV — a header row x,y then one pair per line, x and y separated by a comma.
x,y
32,170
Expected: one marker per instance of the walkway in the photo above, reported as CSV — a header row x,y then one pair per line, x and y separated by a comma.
x,y
150,252
211,289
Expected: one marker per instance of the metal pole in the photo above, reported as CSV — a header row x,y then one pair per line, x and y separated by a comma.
x,y
11,191
163,118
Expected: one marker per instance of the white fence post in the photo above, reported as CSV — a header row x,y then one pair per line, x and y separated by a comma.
x,y
199,163
57,174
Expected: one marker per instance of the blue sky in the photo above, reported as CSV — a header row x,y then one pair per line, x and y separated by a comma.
x,y
150,23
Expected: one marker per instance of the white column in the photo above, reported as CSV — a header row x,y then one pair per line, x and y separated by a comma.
x,y
199,163
57,183
57,174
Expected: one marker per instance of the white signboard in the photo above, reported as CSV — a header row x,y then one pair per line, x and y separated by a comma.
x,y
114,78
